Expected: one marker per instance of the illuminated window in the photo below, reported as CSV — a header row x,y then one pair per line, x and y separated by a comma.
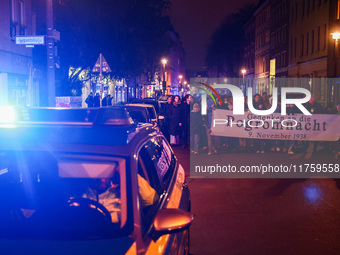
x,y
17,18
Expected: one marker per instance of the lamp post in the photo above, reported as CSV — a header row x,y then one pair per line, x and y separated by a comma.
x,y
336,37
185,84
164,62
50,55
180,81
243,71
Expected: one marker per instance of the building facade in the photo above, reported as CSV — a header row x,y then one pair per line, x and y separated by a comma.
x,y
333,63
279,38
308,46
249,52
17,84
262,46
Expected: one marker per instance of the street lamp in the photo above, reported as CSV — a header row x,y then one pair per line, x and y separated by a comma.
x,y
180,81
164,62
243,71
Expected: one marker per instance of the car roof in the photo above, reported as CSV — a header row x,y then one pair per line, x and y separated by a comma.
x,y
42,132
141,105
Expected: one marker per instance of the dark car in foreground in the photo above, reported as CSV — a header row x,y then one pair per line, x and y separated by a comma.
x,y
89,181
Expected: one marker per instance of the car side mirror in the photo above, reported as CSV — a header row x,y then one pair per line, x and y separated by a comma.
x,y
169,221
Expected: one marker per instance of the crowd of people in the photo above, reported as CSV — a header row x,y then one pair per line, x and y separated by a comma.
x,y
178,112
94,100
203,141
176,126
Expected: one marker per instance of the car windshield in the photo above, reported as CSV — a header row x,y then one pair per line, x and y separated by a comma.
x,y
56,196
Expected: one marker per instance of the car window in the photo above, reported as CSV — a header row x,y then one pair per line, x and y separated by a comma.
x,y
156,167
159,161
152,113
56,196
139,115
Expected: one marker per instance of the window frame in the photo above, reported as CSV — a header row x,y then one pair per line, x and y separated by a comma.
x,y
146,226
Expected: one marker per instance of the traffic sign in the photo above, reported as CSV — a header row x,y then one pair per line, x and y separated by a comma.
x,y
101,65
30,40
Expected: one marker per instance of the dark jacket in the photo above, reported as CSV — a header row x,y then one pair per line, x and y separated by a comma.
x,y
315,108
175,119
166,109
89,100
96,101
197,122
185,115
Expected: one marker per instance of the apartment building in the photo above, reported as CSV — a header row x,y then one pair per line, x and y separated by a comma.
x,y
308,45
17,84
262,46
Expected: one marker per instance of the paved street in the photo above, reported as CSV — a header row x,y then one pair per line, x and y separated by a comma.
x,y
262,216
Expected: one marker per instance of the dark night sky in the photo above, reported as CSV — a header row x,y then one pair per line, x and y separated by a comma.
x,y
196,21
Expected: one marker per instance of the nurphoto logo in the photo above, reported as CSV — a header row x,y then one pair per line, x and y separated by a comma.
x,y
238,99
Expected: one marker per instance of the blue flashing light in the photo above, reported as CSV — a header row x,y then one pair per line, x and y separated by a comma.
x,y
313,194
7,115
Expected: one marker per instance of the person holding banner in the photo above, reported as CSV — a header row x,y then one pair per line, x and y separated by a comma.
x,y
212,140
259,144
196,119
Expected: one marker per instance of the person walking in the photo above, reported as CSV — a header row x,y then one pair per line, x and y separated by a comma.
x,y
259,144
196,118
166,111
90,100
109,100
175,120
185,120
104,101
96,100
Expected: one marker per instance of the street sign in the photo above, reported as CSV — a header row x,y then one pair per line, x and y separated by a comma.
x,y
101,65
30,40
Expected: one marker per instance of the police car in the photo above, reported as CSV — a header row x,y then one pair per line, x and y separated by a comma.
x,y
89,181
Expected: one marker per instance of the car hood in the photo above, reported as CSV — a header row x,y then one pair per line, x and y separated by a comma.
x,y
43,247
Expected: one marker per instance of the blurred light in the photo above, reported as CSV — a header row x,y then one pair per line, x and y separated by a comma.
x,y
164,61
243,71
336,36
7,114
180,76
313,194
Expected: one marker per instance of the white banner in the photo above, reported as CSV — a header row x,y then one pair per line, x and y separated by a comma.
x,y
316,127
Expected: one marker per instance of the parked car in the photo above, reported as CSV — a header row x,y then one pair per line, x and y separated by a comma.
x,y
150,109
89,181
140,113
153,102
